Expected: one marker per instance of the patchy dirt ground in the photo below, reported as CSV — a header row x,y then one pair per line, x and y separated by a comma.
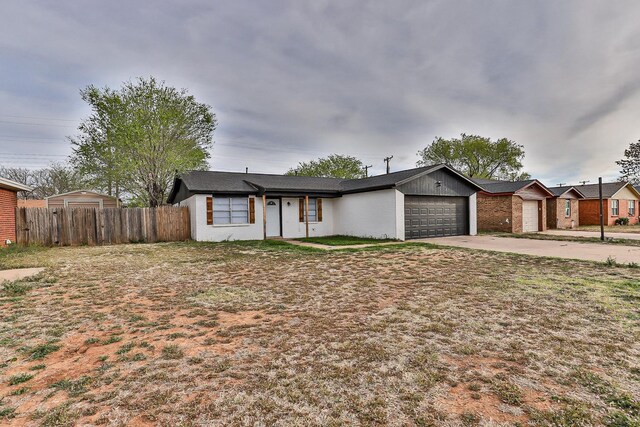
x,y
267,334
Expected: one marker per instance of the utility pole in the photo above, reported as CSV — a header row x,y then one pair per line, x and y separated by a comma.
x,y
366,170
601,209
560,184
584,182
386,160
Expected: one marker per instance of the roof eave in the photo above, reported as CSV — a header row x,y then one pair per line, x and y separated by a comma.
x,y
627,185
544,187
13,185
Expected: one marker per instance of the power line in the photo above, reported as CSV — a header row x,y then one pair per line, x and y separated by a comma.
x,y
37,124
38,118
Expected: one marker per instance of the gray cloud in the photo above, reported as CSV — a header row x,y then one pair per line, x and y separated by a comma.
x,y
291,81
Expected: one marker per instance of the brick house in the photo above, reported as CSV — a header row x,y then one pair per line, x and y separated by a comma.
x,y
620,200
512,206
563,209
8,203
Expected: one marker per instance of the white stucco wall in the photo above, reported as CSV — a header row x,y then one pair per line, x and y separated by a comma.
x,y
372,214
191,204
293,228
203,232
473,214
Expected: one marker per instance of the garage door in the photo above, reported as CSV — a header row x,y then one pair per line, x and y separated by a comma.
x,y
428,216
529,216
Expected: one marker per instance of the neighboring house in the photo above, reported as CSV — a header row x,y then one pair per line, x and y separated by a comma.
x,y
32,203
620,200
423,202
82,199
512,206
8,203
563,208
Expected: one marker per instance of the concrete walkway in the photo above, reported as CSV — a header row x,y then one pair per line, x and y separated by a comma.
x,y
548,248
335,247
596,234
19,273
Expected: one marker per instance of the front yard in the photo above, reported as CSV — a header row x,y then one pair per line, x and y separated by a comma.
x,y
271,334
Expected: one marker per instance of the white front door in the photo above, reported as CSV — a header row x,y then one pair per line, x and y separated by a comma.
x,y
273,217
530,216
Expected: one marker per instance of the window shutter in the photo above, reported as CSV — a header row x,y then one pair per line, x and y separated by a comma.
x,y
252,210
319,209
209,210
301,210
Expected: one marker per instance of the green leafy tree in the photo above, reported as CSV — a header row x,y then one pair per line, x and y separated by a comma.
x,y
477,157
335,165
630,164
138,137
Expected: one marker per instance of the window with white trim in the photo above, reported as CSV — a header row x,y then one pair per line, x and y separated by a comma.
x,y
614,207
567,208
632,208
230,210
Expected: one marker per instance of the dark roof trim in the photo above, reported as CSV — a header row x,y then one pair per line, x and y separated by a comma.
x,y
438,167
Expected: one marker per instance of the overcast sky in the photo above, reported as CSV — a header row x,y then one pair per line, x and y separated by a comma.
x,y
290,80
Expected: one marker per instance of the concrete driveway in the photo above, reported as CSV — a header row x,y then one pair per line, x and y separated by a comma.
x,y
596,234
547,248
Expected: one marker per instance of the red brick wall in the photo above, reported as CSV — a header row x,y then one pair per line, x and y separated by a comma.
x,y
623,212
555,213
495,213
8,203
516,214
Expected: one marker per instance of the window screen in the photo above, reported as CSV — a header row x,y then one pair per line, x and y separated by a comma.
x,y
230,210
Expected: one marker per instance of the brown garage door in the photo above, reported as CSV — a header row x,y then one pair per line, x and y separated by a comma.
x,y
430,216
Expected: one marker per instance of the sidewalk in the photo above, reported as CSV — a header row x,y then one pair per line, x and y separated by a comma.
x,y
336,247
19,273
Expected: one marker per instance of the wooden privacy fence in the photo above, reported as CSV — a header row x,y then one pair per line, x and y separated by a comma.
x,y
89,226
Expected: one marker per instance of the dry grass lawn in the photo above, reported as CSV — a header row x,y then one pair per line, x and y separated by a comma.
x,y
266,334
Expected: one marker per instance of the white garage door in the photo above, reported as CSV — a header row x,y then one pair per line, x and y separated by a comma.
x,y
530,216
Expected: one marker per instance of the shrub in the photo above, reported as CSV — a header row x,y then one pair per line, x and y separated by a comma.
x,y
622,221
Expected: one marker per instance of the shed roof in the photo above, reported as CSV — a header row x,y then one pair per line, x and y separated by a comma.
x,y
80,192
